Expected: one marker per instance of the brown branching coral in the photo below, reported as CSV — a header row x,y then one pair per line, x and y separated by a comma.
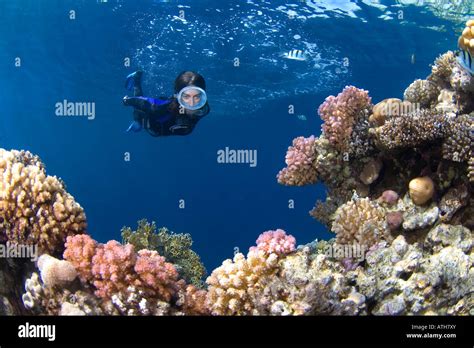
x,y
422,92
458,145
415,129
471,168
442,69
360,221
233,285
35,207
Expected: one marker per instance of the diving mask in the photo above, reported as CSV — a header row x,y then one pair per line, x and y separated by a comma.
x,y
192,97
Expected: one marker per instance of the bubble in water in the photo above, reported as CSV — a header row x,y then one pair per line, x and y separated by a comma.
x,y
297,37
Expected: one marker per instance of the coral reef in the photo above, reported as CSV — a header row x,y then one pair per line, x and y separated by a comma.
x,y
34,207
435,278
399,181
175,247
414,183
109,279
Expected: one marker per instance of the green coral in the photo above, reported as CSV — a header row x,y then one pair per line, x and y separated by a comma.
x,y
175,247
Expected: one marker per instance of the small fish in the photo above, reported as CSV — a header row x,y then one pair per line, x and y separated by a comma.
x,y
295,55
464,59
301,117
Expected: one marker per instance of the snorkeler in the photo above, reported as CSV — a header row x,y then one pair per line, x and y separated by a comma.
x,y
177,115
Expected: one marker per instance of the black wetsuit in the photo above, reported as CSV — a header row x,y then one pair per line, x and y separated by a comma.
x,y
156,117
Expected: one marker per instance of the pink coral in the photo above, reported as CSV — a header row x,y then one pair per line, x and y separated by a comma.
x,y
155,274
388,197
113,267
275,242
195,301
299,160
340,113
80,249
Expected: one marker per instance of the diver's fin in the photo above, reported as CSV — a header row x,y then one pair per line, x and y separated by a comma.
x,y
133,80
135,126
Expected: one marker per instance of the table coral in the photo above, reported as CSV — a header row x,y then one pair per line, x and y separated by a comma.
x,y
35,207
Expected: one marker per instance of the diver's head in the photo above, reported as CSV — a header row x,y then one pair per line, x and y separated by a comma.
x,y
190,90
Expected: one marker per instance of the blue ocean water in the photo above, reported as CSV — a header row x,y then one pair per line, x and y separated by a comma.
x,y
52,50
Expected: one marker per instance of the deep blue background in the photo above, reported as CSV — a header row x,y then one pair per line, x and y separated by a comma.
x,y
227,206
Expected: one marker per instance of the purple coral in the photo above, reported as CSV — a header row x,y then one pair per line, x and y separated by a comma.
x,y
340,113
299,160
275,242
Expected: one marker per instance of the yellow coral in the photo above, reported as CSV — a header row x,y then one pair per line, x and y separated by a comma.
x,y
234,286
360,221
466,40
35,208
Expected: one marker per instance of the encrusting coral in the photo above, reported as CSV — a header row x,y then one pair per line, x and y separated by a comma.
x,y
175,247
35,207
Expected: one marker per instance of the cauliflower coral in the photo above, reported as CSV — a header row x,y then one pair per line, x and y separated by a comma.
x,y
35,207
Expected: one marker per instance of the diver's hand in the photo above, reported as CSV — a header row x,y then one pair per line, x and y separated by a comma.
x,y
125,100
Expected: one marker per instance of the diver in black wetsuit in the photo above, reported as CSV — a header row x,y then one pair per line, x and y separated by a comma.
x,y
177,115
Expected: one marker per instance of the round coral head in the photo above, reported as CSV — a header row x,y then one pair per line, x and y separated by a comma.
x,y
421,190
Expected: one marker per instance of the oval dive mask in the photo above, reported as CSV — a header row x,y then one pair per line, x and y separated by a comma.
x,y
192,97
